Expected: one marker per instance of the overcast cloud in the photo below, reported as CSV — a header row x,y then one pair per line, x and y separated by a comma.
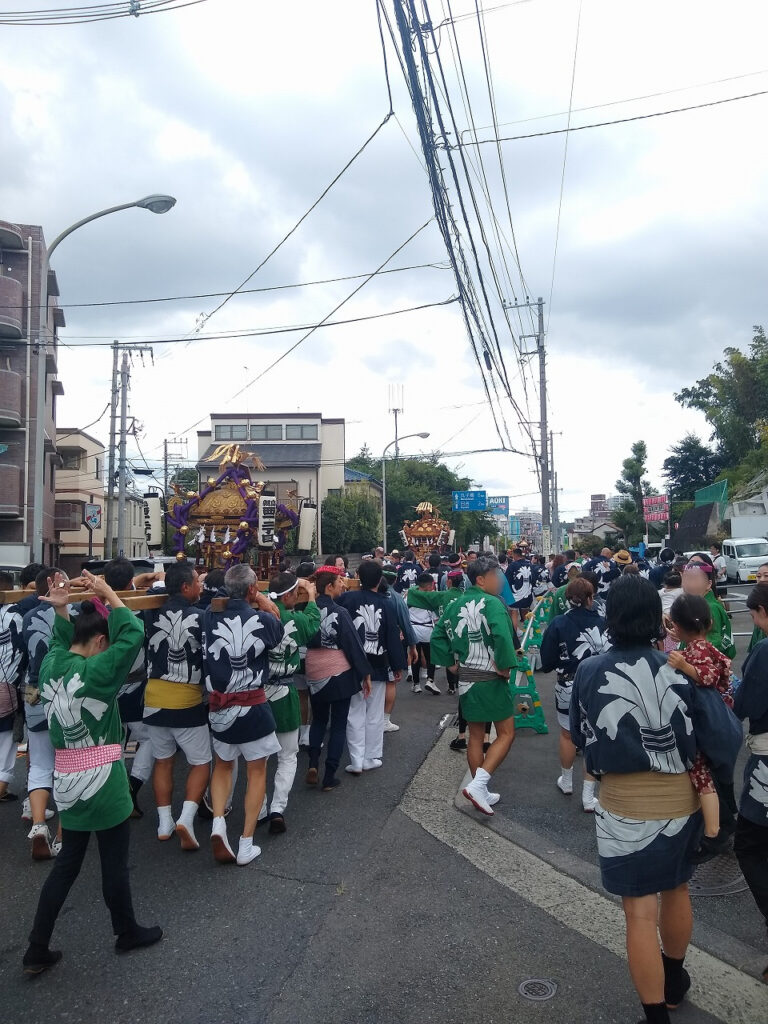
x,y
245,110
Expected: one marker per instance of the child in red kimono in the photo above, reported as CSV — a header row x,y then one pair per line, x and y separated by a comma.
x,y
706,666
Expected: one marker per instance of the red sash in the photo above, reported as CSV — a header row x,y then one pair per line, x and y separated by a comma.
x,y
241,698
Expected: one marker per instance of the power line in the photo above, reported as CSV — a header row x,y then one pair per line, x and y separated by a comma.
x,y
93,13
299,222
565,161
245,291
621,120
256,332
322,323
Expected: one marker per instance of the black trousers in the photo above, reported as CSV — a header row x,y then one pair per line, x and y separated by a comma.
x,y
751,849
323,710
425,648
115,886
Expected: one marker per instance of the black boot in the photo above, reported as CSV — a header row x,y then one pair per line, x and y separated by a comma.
x,y
135,785
39,958
677,981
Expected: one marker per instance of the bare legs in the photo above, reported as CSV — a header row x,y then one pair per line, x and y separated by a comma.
x,y
646,916
498,750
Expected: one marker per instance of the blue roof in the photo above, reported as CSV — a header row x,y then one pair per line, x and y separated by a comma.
x,y
352,476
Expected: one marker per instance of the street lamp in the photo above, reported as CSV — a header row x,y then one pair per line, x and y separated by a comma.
x,y
397,440
153,203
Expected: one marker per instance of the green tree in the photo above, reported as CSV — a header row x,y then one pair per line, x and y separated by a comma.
x,y
411,481
634,485
350,521
185,478
689,466
734,399
364,462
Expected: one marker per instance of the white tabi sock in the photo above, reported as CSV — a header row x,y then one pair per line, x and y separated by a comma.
x,y
247,851
165,824
187,816
587,790
567,775
482,777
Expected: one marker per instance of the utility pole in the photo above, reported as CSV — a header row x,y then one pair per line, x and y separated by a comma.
x,y
125,376
543,426
396,407
556,529
110,525
122,470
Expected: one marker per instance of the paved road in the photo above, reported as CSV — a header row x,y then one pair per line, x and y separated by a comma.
x,y
382,904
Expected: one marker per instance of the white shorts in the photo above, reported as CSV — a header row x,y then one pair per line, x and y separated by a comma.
x,y
194,742
41,757
254,750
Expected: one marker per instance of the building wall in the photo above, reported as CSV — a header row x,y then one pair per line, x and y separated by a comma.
x,y
80,479
29,316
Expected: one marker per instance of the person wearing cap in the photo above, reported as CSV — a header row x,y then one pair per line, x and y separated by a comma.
x,y
284,662
377,626
475,633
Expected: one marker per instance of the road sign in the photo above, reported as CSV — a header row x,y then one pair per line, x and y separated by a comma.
x,y
498,505
92,516
470,501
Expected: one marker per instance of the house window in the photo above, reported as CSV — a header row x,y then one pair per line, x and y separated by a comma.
x,y
266,432
239,432
70,458
301,432
53,477
97,471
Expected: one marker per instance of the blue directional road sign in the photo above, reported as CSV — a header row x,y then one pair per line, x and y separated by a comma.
x,y
469,501
498,505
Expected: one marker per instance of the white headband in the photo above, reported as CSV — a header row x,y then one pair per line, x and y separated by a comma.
x,y
273,596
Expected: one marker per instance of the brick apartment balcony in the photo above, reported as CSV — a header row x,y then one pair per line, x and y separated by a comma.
x,y
10,398
10,490
11,308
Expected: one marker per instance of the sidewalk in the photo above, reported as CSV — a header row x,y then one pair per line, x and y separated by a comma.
x,y
535,815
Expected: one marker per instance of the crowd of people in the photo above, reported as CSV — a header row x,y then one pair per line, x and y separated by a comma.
x,y
220,671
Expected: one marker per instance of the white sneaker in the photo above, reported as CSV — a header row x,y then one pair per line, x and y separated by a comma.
x,y
493,798
375,762
354,769
247,851
187,837
26,811
565,785
56,847
391,727
477,794
432,687
416,688
41,842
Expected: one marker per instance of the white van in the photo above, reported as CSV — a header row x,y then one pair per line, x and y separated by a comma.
x,y
744,556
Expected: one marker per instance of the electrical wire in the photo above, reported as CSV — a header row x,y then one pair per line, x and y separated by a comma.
x,y
565,161
436,265
255,333
322,323
93,13
298,223
621,120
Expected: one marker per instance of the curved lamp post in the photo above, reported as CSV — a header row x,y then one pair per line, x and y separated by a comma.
x,y
397,440
156,203
153,203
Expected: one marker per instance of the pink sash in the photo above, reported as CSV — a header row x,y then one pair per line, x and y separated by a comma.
x,y
324,662
82,759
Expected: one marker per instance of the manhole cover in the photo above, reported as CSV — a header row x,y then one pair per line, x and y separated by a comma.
x,y
537,989
718,877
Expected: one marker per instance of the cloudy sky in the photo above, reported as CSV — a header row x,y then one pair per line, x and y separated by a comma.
x,y
245,110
